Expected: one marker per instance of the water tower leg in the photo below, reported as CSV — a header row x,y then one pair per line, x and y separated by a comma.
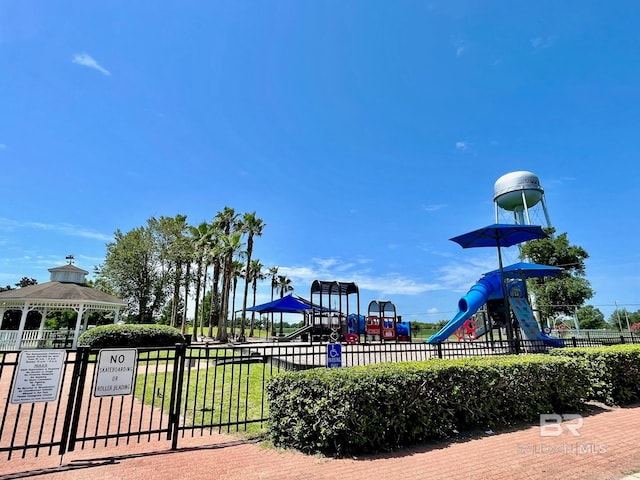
x,y
546,212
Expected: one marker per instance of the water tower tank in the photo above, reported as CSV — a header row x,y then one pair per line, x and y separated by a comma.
x,y
512,190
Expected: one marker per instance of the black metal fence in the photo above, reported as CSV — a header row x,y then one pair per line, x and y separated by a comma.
x,y
179,391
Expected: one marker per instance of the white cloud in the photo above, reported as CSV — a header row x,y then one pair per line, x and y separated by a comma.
x,y
434,207
63,228
461,145
332,268
540,43
88,61
460,45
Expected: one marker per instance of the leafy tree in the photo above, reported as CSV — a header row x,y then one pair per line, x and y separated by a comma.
x,y
559,295
11,320
132,270
590,317
26,281
621,318
174,252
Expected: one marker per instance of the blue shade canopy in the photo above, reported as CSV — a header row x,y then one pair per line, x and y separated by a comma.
x,y
288,304
499,235
527,270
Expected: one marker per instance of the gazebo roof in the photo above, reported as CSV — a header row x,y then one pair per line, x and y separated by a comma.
x,y
67,286
60,291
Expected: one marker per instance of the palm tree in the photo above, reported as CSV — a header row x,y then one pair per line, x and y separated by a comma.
x,y
273,273
252,226
284,284
236,273
214,260
200,237
222,224
255,274
230,245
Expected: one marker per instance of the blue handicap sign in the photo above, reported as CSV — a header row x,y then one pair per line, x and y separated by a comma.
x,y
334,355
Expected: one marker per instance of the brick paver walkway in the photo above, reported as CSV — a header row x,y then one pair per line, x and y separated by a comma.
x,y
607,448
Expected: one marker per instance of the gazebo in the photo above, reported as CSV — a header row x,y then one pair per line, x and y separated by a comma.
x,y
67,290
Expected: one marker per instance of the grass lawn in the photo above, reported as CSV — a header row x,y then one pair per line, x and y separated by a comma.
x,y
216,396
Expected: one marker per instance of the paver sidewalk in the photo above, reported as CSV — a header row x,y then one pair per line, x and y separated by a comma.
x,y
607,448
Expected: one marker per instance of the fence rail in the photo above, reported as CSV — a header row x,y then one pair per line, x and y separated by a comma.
x,y
193,390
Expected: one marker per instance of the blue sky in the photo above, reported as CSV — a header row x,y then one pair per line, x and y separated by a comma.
x,y
364,133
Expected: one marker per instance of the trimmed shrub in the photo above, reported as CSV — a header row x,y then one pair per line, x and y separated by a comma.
x,y
131,336
614,371
386,406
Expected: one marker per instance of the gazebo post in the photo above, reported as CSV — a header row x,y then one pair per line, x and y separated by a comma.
x,y
43,320
76,334
23,321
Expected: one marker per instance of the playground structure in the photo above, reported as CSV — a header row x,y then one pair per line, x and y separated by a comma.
x,y
381,321
334,303
333,314
486,310
499,301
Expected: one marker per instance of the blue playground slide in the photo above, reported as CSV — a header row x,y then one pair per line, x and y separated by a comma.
x,y
528,324
486,288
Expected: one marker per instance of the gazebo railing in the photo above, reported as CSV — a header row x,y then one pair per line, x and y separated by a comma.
x,y
36,339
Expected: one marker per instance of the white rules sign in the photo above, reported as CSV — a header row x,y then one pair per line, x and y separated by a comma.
x,y
38,376
115,372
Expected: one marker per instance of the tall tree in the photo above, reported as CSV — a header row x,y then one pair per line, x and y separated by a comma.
x,y
229,246
273,274
174,248
131,271
200,237
252,226
215,260
284,285
559,295
255,274
225,224
237,272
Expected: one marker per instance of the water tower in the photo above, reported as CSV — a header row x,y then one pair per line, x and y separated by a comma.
x,y
519,197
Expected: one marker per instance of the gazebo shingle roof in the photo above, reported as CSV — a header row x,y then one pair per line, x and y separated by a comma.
x,y
60,291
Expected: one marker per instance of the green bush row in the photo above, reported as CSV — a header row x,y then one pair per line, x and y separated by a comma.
x,y
614,372
131,336
381,407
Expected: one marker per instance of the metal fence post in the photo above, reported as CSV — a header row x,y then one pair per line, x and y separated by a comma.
x,y
76,395
176,394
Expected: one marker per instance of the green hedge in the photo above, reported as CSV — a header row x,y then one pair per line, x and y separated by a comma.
x,y
130,336
614,372
382,407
